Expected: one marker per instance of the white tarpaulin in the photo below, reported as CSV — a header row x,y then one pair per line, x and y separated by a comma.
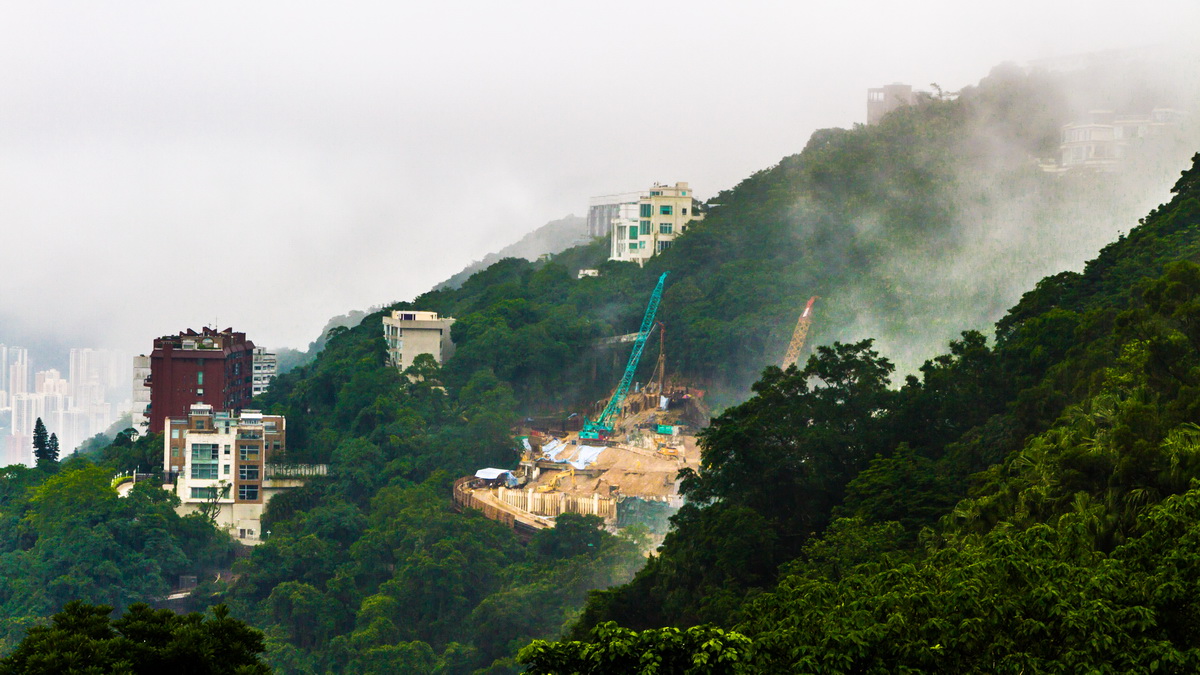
x,y
584,455
587,454
552,449
490,474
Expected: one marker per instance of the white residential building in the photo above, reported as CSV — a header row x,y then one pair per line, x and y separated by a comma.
x,y
648,226
224,462
1102,142
410,333
140,394
265,368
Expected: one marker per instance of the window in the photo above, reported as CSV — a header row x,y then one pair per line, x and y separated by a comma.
x,y
633,231
665,228
204,493
199,377
664,210
226,471
248,472
200,424
248,452
684,193
204,471
199,392
204,451
645,225
248,492
647,210
663,245
174,433
684,210
656,193
204,460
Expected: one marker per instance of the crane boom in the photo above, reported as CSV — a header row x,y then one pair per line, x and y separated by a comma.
x,y
799,335
602,425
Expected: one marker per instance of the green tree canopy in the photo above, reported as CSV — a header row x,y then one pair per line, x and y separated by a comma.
x,y
82,639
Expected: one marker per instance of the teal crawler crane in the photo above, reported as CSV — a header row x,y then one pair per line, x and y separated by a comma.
x,y
602,427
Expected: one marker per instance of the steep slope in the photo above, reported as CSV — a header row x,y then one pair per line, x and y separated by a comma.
x,y
1075,546
935,219
368,569
553,237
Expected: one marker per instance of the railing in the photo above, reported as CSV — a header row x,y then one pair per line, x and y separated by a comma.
x,y
464,498
295,470
557,503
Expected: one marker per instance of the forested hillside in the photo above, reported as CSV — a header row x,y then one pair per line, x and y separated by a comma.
x,y
841,505
552,238
934,220
1024,507
835,439
65,535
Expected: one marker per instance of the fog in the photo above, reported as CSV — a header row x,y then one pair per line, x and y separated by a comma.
x,y
267,166
1012,223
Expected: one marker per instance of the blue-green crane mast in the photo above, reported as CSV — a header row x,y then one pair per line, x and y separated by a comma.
x,y
602,426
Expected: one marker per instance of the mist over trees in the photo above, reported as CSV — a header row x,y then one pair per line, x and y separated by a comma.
x,y
918,494
551,238
931,222
1028,505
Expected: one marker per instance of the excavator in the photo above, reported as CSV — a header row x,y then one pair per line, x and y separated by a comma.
x,y
552,486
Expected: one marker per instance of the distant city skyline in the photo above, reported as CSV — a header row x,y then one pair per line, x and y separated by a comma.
x,y
94,393
356,156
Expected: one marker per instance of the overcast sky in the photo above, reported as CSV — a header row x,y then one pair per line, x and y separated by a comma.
x,y
267,165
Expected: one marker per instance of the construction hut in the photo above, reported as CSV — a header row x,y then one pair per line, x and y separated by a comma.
x,y
495,478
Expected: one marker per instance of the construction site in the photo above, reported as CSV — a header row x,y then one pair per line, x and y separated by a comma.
x,y
623,464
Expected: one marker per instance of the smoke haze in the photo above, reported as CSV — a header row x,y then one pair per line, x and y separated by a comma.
x,y
267,166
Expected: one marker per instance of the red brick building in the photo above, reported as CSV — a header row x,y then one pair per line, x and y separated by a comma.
x,y
211,367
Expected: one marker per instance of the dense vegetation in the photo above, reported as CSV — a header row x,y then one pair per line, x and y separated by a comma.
x,y
83,639
369,570
846,518
65,535
1027,507
910,230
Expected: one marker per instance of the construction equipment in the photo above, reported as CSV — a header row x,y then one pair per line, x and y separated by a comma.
x,y
602,426
553,484
799,336
618,340
660,368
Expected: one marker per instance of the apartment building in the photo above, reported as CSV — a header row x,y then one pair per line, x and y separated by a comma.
x,y
885,99
220,460
211,367
140,394
410,333
265,368
1102,141
646,227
